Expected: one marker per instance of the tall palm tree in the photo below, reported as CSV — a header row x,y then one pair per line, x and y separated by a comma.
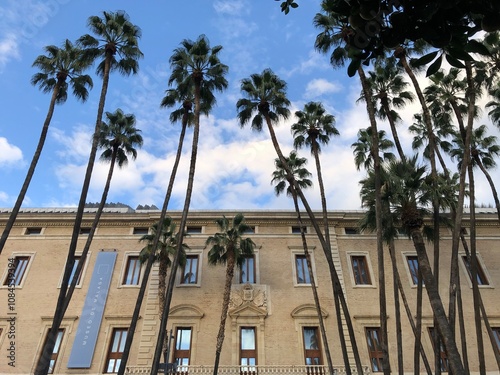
x,y
194,65
494,104
411,190
57,67
116,45
228,247
389,88
119,138
484,150
266,101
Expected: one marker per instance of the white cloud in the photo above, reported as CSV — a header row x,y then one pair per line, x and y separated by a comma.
x,y
10,155
231,7
321,86
9,49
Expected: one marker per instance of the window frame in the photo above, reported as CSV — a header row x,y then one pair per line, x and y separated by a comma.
x,y
295,229
57,348
299,251
85,231
351,231
31,257
248,352
176,352
140,231
194,229
443,358
350,255
126,256
34,231
375,353
118,354
482,271
180,272
82,274
125,272
312,353
244,267
496,335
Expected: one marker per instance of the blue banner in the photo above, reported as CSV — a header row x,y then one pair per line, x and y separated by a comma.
x,y
93,309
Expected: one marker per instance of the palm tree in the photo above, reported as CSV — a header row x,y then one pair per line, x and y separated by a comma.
x,y
119,138
410,191
301,176
494,104
362,148
195,65
389,88
56,67
484,149
116,43
265,101
228,247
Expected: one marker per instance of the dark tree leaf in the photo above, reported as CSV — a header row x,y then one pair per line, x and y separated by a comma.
x,y
353,67
434,67
474,46
426,59
454,62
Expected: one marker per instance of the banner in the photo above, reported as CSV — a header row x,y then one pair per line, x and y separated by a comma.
x,y
93,310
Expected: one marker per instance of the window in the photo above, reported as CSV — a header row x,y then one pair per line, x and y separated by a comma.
x,y
496,335
247,273
182,351
360,270
312,348
85,231
77,261
33,231
351,230
16,270
115,352
296,229
443,359
250,229
140,231
132,271
374,348
193,229
412,261
248,349
190,271
481,277
303,276
56,350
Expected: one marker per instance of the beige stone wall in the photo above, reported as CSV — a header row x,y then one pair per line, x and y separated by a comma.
x,y
278,308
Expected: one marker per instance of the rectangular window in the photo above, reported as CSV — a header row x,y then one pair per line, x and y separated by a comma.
x,y
412,261
303,276
132,271
16,270
141,231
360,270
77,261
250,229
296,229
33,231
312,347
351,230
248,349
115,352
85,231
56,350
481,277
443,359
190,271
193,229
247,273
374,348
182,352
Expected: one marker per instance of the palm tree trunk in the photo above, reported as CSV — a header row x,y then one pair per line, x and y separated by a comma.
x,y
394,131
378,219
182,226
416,332
473,271
90,236
461,324
42,367
225,307
443,326
313,284
492,184
338,294
31,169
397,308
418,327
151,258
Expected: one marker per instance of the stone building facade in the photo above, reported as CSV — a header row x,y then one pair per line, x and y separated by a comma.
x,y
272,324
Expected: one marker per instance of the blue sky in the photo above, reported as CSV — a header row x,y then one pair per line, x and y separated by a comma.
x,y
235,165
